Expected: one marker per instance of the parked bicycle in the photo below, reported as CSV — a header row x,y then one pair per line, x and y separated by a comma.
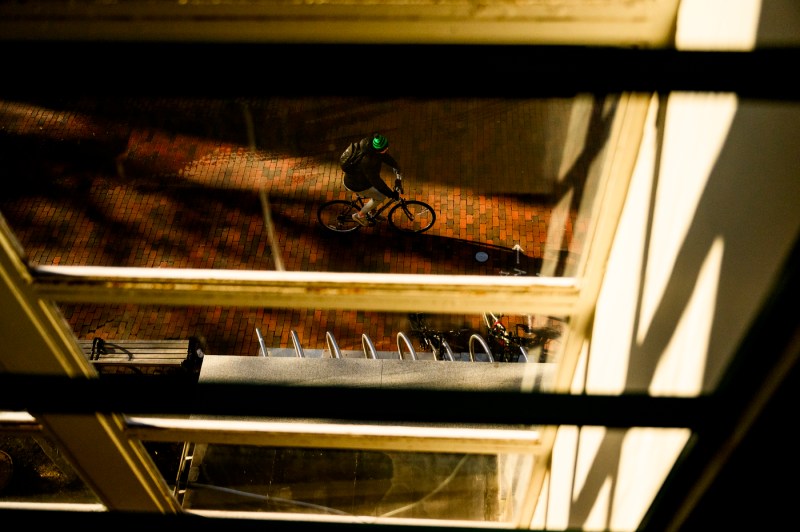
x,y
443,344
408,216
511,346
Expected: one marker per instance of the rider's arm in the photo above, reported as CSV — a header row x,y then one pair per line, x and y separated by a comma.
x,y
372,169
380,184
389,160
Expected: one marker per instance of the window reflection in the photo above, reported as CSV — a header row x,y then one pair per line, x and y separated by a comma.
x,y
345,483
32,469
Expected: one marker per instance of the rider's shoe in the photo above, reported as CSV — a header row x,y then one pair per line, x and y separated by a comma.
x,y
359,220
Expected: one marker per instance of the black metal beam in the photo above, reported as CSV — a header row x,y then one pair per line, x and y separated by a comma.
x,y
407,70
175,396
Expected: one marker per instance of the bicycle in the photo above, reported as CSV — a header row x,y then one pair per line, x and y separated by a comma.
x,y
508,346
407,216
442,343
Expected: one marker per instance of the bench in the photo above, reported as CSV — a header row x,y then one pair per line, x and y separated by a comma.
x,y
187,354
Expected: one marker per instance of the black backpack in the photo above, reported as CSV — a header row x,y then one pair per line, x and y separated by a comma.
x,y
351,156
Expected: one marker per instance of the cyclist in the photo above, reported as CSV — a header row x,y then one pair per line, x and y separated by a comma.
x,y
366,179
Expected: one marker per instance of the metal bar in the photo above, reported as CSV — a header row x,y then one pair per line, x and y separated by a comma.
x,y
381,437
449,70
262,348
380,292
123,394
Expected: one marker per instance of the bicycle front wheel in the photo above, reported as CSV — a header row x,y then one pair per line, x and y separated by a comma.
x,y
337,216
412,216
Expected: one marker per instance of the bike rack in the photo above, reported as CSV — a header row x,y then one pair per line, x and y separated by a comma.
x,y
369,347
448,351
297,347
332,345
261,346
409,347
478,338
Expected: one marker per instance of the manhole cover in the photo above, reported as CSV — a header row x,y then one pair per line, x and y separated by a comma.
x,y
481,256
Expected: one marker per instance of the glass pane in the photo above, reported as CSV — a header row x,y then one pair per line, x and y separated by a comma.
x,y
246,478
178,183
33,470
240,184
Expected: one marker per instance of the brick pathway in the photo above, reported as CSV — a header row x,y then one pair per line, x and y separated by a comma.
x,y
176,184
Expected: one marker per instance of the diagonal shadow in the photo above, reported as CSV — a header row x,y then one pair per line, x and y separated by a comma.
x,y
747,237
437,140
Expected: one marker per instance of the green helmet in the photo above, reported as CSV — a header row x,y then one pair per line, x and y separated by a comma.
x,y
379,142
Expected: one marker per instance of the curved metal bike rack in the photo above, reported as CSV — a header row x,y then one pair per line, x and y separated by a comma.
x,y
478,338
298,349
369,347
332,345
448,351
402,340
261,346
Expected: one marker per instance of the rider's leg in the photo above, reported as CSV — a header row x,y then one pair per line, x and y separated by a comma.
x,y
361,216
375,200
367,207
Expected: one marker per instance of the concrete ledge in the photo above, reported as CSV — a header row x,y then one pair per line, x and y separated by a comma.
x,y
379,373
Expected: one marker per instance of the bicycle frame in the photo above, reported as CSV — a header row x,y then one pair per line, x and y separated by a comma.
x,y
407,216
359,201
512,345
505,345
438,341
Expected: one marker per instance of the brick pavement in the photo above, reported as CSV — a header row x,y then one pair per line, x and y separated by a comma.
x,y
175,184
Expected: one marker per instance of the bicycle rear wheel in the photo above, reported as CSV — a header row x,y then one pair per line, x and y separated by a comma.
x,y
511,353
412,216
337,216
